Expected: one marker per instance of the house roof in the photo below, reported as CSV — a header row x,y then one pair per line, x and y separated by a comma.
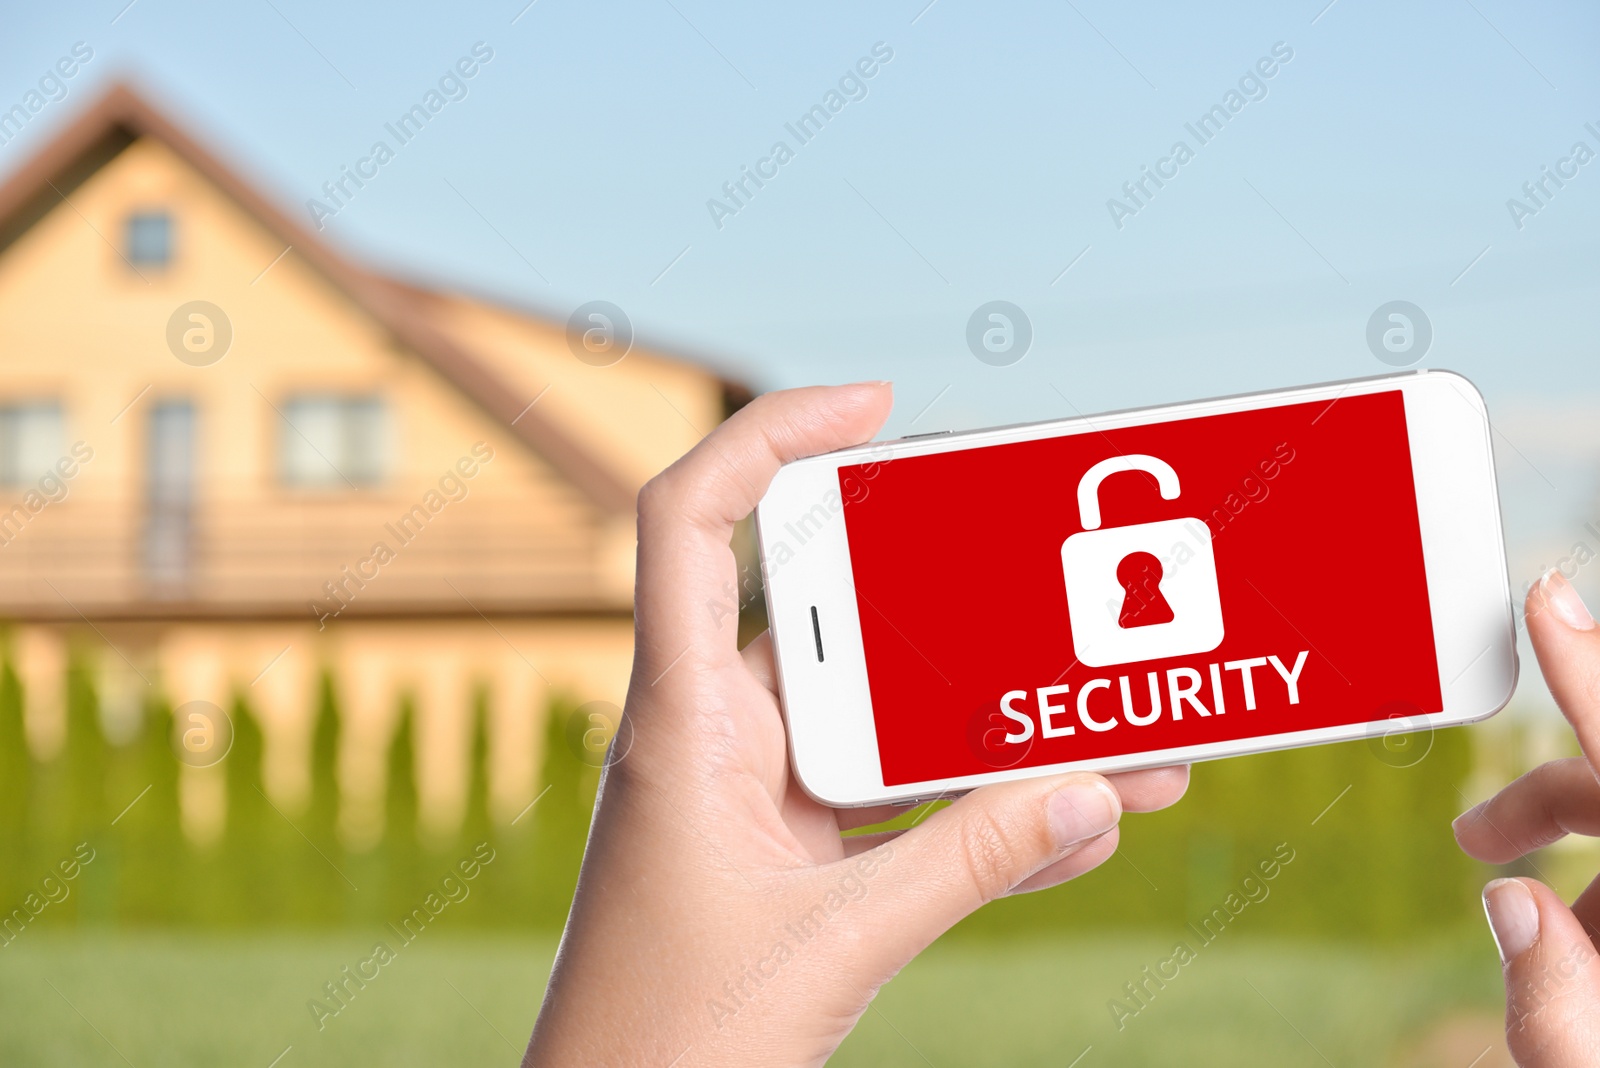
x,y
121,116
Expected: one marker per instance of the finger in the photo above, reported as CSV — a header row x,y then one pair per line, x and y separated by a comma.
x,y
1141,791
1148,790
1568,647
1587,909
857,844
759,659
1552,976
851,818
1151,789
685,595
1091,856
1544,806
980,848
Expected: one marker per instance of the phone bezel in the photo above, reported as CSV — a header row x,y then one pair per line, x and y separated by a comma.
x,y
828,708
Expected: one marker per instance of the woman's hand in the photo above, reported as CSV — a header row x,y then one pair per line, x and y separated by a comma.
x,y
720,918
1552,970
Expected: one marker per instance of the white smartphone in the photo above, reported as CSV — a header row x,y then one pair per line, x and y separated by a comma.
x,y
1139,588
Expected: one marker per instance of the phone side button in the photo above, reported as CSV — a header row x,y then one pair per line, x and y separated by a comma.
x,y
929,434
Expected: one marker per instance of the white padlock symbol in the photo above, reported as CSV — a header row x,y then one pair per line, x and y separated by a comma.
x,y
1165,603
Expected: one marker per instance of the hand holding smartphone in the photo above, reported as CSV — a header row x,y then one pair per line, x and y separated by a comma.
x,y
1139,588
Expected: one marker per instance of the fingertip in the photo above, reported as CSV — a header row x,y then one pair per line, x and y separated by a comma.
x,y
1089,856
1175,780
875,396
813,419
1151,789
1113,798
1513,916
1552,974
1081,807
869,394
1555,593
1464,824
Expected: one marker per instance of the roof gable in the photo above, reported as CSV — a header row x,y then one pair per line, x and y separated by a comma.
x,y
121,117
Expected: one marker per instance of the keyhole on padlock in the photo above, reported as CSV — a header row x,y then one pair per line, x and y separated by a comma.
x,y
1143,603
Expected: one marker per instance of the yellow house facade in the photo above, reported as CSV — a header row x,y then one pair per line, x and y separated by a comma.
x,y
232,460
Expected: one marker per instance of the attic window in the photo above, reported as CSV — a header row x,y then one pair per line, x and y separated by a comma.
x,y
149,239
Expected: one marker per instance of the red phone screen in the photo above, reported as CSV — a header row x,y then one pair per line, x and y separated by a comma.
x,y
1247,574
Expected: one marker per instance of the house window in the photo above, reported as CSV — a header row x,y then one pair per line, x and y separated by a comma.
x,y
332,441
149,239
170,494
31,437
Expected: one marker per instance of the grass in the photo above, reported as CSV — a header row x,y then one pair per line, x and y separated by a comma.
x,y
170,999
1232,1004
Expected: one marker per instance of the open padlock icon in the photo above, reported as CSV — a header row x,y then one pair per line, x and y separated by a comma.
x,y
1139,592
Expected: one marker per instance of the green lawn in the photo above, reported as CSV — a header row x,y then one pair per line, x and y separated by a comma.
x,y
211,1000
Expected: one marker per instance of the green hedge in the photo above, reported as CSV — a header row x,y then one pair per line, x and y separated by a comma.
x,y
1379,864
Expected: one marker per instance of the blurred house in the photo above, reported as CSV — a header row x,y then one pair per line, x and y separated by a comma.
x,y
232,460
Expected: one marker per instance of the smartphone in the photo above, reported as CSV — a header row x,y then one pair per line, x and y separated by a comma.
x,y
1139,588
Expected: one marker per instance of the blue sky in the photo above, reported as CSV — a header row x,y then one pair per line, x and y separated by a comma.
x,y
978,165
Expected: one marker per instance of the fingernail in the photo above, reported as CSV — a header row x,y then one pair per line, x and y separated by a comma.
x,y
1468,818
1513,917
1082,810
874,382
1564,600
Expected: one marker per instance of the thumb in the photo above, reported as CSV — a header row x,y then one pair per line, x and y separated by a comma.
x,y
981,848
687,513
1552,976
